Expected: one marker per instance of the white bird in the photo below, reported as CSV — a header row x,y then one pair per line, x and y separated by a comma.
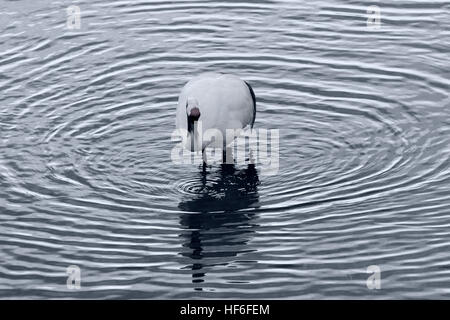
x,y
217,101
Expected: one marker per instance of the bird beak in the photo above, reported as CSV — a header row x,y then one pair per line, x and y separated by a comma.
x,y
192,121
192,143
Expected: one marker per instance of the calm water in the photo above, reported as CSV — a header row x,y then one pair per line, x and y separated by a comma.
x,y
85,173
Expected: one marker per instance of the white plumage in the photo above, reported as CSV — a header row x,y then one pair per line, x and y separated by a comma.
x,y
218,101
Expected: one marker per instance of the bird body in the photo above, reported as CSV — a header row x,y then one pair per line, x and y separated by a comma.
x,y
217,101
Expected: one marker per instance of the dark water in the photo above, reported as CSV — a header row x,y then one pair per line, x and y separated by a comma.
x,y
85,172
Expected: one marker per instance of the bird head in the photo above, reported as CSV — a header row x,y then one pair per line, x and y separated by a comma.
x,y
192,112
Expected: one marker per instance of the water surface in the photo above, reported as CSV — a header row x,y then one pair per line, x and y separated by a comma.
x,y
85,173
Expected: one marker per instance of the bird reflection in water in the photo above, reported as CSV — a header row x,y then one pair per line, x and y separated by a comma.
x,y
217,226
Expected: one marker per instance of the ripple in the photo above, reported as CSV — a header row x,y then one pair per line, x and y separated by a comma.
x,y
86,176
